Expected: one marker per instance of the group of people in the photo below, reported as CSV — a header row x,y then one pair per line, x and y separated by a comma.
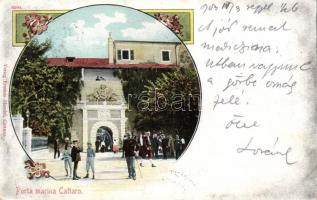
x,y
104,143
71,155
161,144
146,145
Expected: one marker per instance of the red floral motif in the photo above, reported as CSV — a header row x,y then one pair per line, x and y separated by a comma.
x,y
36,169
36,24
172,22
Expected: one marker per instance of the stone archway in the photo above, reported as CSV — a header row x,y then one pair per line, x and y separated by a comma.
x,y
97,125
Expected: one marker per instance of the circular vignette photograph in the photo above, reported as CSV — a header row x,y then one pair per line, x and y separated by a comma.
x,y
103,92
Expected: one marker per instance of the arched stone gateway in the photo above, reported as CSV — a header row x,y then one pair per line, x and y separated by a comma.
x,y
97,125
90,116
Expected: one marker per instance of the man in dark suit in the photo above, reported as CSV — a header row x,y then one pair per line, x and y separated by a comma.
x,y
75,154
155,145
130,146
178,147
164,146
56,148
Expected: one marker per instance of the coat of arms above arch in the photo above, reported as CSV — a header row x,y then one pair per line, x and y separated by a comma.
x,y
103,93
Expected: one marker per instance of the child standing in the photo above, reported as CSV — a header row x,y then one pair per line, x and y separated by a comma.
x,y
67,160
90,161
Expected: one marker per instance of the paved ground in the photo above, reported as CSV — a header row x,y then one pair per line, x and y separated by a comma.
x,y
110,168
111,180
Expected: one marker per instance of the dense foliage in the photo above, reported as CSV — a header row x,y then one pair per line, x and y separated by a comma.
x,y
163,100
48,93
176,98
133,83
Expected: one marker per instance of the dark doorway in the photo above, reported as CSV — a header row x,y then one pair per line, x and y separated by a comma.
x,y
104,134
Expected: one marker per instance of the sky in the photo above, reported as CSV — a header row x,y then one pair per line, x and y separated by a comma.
x,y
84,32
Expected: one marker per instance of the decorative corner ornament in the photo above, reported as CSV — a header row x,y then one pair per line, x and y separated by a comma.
x,y
36,25
36,169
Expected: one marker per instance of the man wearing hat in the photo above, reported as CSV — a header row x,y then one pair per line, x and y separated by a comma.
x,y
75,154
130,147
90,162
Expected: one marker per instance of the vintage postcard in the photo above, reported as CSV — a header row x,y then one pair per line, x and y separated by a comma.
x,y
156,100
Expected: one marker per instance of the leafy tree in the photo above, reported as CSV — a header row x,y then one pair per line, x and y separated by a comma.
x,y
48,93
176,98
161,99
133,83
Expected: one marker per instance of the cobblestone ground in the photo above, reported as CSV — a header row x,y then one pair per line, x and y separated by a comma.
x,y
111,170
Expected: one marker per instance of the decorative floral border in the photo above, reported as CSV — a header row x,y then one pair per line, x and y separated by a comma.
x,y
37,22
36,169
170,13
15,25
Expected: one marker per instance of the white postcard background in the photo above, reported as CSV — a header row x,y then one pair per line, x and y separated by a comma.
x,y
213,167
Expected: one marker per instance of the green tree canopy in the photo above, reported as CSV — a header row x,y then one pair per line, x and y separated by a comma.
x,y
48,93
174,103
133,83
163,99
